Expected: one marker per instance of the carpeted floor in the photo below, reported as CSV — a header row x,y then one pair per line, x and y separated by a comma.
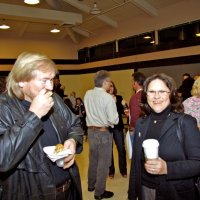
x,y
118,184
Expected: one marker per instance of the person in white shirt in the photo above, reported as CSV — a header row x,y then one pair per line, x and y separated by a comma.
x,y
101,113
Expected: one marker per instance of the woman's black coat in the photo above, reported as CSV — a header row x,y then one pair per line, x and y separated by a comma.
x,y
178,184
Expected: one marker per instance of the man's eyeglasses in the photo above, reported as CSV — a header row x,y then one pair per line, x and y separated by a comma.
x,y
152,93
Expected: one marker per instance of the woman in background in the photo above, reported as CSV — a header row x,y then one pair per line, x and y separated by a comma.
x,y
171,175
69,104
192,104
118,134
80,110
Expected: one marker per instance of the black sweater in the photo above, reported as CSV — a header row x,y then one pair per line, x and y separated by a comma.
x,y
157,121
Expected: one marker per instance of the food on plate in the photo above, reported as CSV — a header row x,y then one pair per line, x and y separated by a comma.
x,y
59,148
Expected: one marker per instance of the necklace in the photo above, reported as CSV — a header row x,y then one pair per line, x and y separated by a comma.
x,y
157,120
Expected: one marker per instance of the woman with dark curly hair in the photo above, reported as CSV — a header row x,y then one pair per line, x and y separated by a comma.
x,y
171,175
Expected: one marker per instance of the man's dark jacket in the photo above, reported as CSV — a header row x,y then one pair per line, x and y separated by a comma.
x,y
24,170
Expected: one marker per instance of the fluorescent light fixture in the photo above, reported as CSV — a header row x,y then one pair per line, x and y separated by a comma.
x,y
55,30
4,26
32,2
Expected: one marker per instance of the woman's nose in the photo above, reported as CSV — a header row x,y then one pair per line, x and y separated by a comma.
x,y
157,94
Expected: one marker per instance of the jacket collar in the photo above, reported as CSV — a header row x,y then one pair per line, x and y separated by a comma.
x,y
170,121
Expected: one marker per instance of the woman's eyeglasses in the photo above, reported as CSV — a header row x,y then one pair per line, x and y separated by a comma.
x,y
152,93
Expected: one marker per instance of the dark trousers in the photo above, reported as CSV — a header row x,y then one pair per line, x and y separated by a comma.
x,y
118,137
100,151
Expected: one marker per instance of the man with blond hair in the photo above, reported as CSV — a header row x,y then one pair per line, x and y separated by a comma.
x,y
31,118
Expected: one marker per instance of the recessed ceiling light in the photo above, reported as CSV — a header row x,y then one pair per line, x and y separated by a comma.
x,y
55,30
4,26
152,42
31,2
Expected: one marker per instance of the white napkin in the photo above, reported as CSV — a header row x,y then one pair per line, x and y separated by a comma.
x,y
55,156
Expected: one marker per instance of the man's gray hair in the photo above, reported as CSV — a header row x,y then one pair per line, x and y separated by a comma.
x,y
100,77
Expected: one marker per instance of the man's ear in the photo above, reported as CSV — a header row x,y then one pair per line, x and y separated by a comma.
x,y
21,84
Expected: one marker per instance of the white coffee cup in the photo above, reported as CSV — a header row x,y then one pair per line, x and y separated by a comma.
x,y
150,148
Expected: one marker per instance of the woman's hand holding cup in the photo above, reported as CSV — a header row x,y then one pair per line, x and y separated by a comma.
x,y
154,164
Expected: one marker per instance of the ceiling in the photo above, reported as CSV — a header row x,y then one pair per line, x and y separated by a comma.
x,y
73,16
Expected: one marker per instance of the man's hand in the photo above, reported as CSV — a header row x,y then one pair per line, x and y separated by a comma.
x,y
42,103
69,160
